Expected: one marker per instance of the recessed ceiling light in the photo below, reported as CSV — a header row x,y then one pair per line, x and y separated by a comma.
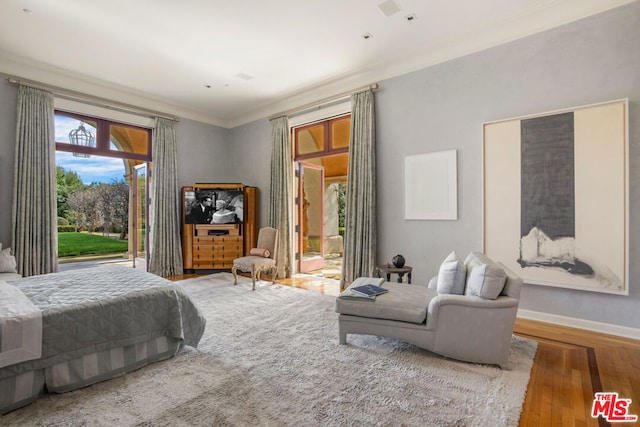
x,y
208,86
367,36
411,17
244,76
27,11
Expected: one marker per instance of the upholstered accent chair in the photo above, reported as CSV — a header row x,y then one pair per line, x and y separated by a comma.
x,y
262,258
467,312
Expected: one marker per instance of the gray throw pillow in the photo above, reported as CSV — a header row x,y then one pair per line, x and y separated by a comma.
x,y
7,261
486,281
451,276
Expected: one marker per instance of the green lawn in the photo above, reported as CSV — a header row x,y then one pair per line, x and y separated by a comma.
x,y
75,244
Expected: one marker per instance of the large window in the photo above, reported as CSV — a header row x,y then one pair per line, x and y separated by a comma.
x,y
103,169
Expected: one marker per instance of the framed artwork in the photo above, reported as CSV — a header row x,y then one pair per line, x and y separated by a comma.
x,y
556,197
430,186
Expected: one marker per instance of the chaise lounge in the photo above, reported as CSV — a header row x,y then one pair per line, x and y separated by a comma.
x,y
467,312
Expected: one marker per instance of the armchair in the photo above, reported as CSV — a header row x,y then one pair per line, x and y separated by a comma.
x,y
471,326
261,258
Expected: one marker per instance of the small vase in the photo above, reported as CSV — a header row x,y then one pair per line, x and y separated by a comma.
x,y
398,261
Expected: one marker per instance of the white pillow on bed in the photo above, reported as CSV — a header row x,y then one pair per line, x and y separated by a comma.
x,y
7,261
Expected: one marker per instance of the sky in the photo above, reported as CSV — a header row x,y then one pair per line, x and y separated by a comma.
x,y
91,169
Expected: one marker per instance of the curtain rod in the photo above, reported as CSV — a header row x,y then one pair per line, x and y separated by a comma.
x,y
302,108
90,99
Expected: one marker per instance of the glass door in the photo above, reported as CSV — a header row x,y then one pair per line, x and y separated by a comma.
x,y
140,235
310,217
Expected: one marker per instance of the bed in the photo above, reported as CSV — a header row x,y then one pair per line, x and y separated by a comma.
x,y
67,330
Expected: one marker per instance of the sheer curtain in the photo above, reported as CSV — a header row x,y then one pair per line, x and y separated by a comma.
x,y
166,248
360,222
34,217
280,190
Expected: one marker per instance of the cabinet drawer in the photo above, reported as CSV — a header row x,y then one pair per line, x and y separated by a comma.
x,y
210,240
227,249
217,252
213,264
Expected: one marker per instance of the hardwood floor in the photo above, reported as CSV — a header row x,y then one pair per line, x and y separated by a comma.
x,y
570,366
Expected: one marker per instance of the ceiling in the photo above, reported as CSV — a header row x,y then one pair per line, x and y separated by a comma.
x,y
229,62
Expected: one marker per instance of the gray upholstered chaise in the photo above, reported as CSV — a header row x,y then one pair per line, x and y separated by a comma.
x,y
463,327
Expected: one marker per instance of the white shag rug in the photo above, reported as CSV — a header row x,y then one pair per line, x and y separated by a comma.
x,y
271,358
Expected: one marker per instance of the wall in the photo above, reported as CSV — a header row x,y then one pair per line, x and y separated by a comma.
x,y
250,154
443,107
203,153
8,96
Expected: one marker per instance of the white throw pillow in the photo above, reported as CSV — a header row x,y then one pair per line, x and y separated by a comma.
x,y
486,281
451,276
7,261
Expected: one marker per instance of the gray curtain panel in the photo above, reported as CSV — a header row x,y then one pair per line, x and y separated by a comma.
x,y
280,190
34,217
166,247
360,222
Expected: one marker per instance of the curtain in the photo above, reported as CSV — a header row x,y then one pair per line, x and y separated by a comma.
x,y
166,248
360,219
280,190
34,210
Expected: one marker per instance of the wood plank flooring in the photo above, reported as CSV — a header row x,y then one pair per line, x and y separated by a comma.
x,y
570,366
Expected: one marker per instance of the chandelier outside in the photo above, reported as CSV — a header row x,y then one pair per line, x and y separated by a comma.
x,y
83,138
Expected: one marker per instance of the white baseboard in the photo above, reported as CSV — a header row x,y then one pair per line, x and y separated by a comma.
x,y
572,322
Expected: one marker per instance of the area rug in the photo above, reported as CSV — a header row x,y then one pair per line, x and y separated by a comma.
x,y
271,357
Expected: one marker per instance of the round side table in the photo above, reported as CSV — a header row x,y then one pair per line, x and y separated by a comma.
x,y
389,269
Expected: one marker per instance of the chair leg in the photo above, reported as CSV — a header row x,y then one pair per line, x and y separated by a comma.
x,y
253,277
234,270
274,273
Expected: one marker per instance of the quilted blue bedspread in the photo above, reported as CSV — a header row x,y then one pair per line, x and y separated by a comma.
x,y
95,309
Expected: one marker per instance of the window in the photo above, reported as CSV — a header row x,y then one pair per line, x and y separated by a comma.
x,y
321,139
111,139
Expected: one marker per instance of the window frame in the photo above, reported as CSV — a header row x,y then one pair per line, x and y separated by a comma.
x,y
103,139
327,150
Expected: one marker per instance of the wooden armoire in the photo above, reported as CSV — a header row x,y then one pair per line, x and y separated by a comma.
x,y
219,224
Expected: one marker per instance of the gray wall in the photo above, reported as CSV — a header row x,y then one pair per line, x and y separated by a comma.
x,y
250,147
203,153
443,107
8,96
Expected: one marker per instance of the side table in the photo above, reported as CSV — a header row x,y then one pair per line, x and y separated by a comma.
x,y
389,269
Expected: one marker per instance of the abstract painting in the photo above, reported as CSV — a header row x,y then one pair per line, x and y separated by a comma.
x,y
556,196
